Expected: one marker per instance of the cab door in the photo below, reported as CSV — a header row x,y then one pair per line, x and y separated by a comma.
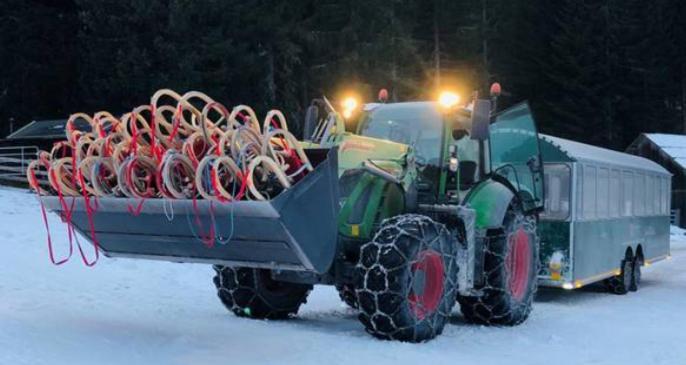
x,y
515,154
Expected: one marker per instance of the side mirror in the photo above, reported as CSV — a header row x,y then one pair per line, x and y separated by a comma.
x,y
311,121
459,133
481,119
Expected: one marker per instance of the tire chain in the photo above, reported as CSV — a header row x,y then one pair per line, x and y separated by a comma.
x,y
384,278
495,305
239,291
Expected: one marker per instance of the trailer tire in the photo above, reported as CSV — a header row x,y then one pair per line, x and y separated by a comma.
x,y
510,273
347,294
621,284
253,293
405,280
635,274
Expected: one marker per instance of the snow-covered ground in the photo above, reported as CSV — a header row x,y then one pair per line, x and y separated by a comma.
x,y
138,312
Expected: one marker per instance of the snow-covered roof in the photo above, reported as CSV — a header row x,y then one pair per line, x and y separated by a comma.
x,y
674,145
578,151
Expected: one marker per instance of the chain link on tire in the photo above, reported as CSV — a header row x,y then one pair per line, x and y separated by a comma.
x,y
253,293
510,273
406,279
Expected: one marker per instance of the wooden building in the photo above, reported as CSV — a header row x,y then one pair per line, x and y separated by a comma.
x,y
668,150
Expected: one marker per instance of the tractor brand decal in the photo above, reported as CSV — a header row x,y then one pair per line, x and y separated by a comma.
x,y
356,145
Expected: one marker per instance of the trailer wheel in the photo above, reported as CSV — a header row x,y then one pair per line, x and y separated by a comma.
x,y
347,294
635,274
510,273
621,284
253,293
405,280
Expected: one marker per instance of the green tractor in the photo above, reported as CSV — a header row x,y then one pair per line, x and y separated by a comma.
x,y
426,204
438,204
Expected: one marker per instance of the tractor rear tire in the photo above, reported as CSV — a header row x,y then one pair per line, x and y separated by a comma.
x,y
406,279
347,294
253,293
621,284
510,273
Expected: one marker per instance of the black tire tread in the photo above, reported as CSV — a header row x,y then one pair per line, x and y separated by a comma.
x,y
383,278
246,292
495,306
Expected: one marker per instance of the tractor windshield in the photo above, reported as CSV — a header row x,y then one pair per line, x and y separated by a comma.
x,y
416,124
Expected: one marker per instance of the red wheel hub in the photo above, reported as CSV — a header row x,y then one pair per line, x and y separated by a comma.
x,y
518,263
427,283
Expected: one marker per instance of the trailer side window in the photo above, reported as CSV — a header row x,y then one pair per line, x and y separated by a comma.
x,y
660,192
589,192
557,191
603,194
665,195
627,192
615,200
639,194
650,195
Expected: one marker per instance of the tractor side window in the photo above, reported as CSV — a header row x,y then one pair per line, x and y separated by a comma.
x,y
515,155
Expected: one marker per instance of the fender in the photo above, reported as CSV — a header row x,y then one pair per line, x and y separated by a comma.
x,y
490,199
366,201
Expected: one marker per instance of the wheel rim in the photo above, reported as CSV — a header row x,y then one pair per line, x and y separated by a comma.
x,y
427,284
518,263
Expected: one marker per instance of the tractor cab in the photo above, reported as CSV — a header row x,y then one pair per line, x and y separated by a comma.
x,y
426,127
456,147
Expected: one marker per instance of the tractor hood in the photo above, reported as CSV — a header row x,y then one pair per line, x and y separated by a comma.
x,y
353,150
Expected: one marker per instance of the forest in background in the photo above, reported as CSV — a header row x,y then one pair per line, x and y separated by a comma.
x,y
598,71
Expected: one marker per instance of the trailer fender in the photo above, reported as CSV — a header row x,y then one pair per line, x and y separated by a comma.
x,y
490,199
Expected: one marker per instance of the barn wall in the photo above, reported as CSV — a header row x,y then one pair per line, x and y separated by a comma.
x,y
646,148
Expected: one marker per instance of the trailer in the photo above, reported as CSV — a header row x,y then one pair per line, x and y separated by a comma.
x,y
606,215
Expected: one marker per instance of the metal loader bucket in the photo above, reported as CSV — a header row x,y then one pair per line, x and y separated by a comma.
x,y
294,231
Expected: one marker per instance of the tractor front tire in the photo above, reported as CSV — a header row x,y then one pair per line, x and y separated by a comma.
x,y
405,280
510,273
253,293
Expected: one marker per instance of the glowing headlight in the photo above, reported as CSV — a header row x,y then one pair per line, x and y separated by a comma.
x,y
448,99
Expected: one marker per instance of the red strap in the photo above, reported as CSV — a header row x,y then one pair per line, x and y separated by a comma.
x,y
207,240
134,131
89,213
51,252
67,218
136,211
176,122
101,131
